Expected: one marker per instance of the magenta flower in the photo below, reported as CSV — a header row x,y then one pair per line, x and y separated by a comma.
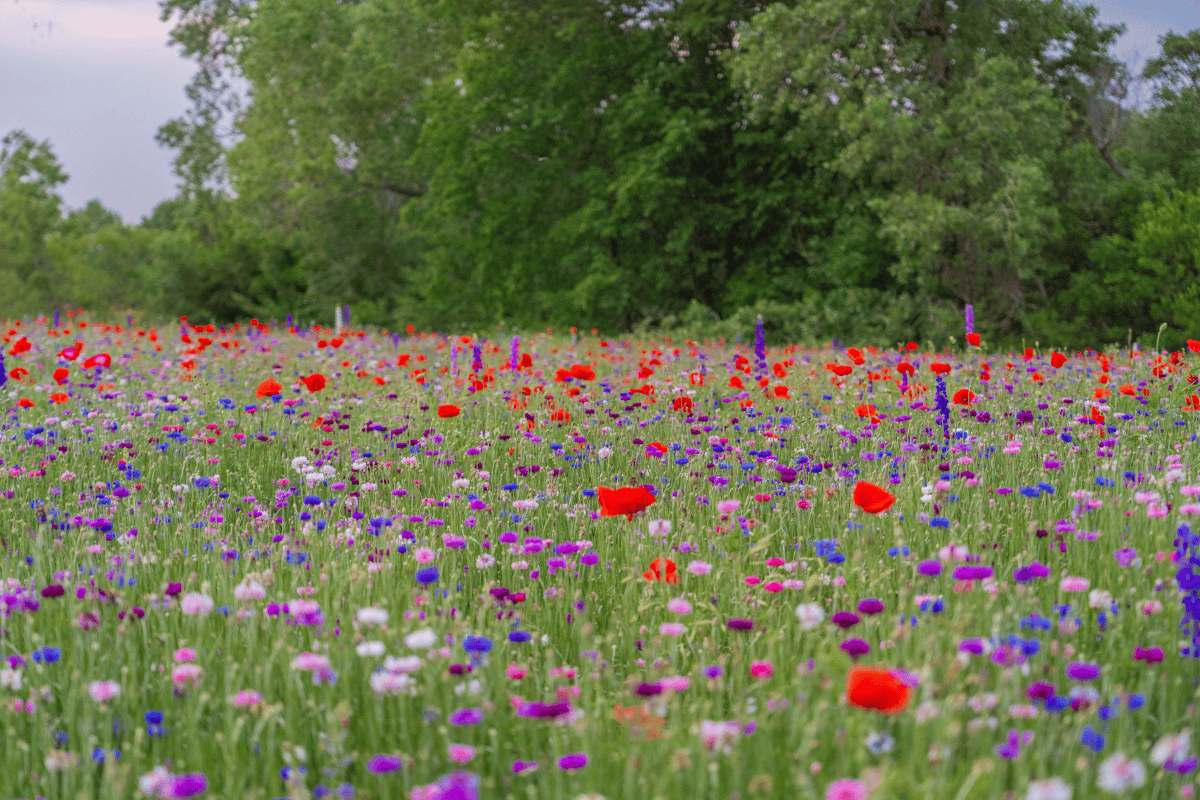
x,y
1151,655
845,619
870,606
855,648
381,764
972,573
930,569
573,761
1080,671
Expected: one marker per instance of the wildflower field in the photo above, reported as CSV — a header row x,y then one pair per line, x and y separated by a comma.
x,y
263,562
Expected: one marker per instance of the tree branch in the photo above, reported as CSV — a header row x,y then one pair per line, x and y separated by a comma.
x,y
403,189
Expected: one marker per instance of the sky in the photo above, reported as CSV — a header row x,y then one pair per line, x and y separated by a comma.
x,y
97,78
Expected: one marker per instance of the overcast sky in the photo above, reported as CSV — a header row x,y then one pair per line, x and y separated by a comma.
x,y
96,78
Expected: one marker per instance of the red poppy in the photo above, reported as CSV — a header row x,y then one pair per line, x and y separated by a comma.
x,y
656,450
973,339
1193,403
22,345
98,360
402,360
626,501
964,397
871,498
314,382
876,689
268,388
582,372
683,404
25,402
913,345
905,368
59,397
1193,345
662,569
735,383
779,371
868,411
71,353
560,415
60,376
561,375
782,391
1028,353
939,368
1057,360
447,411
696,378
855,355
336,342
18,373
841,370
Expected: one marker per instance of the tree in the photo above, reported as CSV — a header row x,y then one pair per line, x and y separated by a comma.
x,y
1168,139
967,117
30,209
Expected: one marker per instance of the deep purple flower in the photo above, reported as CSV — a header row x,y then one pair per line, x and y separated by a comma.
x,y
648,689
521,766
466,716
1040,690
543,710
573,761
1028,574
787,474
972,646
173,589
589,559
53,590
188,785
382,763
972,573
870,606
737,624
713,672
845,619
1012,749
1080,671
1151,655
1125,556
930,568
855,648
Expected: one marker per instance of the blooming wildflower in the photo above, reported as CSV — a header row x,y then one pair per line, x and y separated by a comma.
x,y
846,789
573,761
876,689
1118,774
196,604
1048,789
103,691
421,640
381,764
699,568
1080,671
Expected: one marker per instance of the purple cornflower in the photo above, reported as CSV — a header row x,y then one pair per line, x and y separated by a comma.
x,y
972,573
544,710
573,761
845,619
1080,671
973,646
1016,740
870,606
1151,655
1125,556
855,648
383,763
930,568
760,348
737,624
466,716
1040,690
188,785
1187,553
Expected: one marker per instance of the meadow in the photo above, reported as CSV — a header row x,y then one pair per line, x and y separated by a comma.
x,y
257,561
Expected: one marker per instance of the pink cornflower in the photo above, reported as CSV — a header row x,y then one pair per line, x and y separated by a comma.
x,y
460,753
185,654
196,604
423,555
679,606
1073,584
186,675
761,669
103,691
846,789
699,567
247,698
671,629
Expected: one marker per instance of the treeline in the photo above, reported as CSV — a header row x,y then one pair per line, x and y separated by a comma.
x,y
849,169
